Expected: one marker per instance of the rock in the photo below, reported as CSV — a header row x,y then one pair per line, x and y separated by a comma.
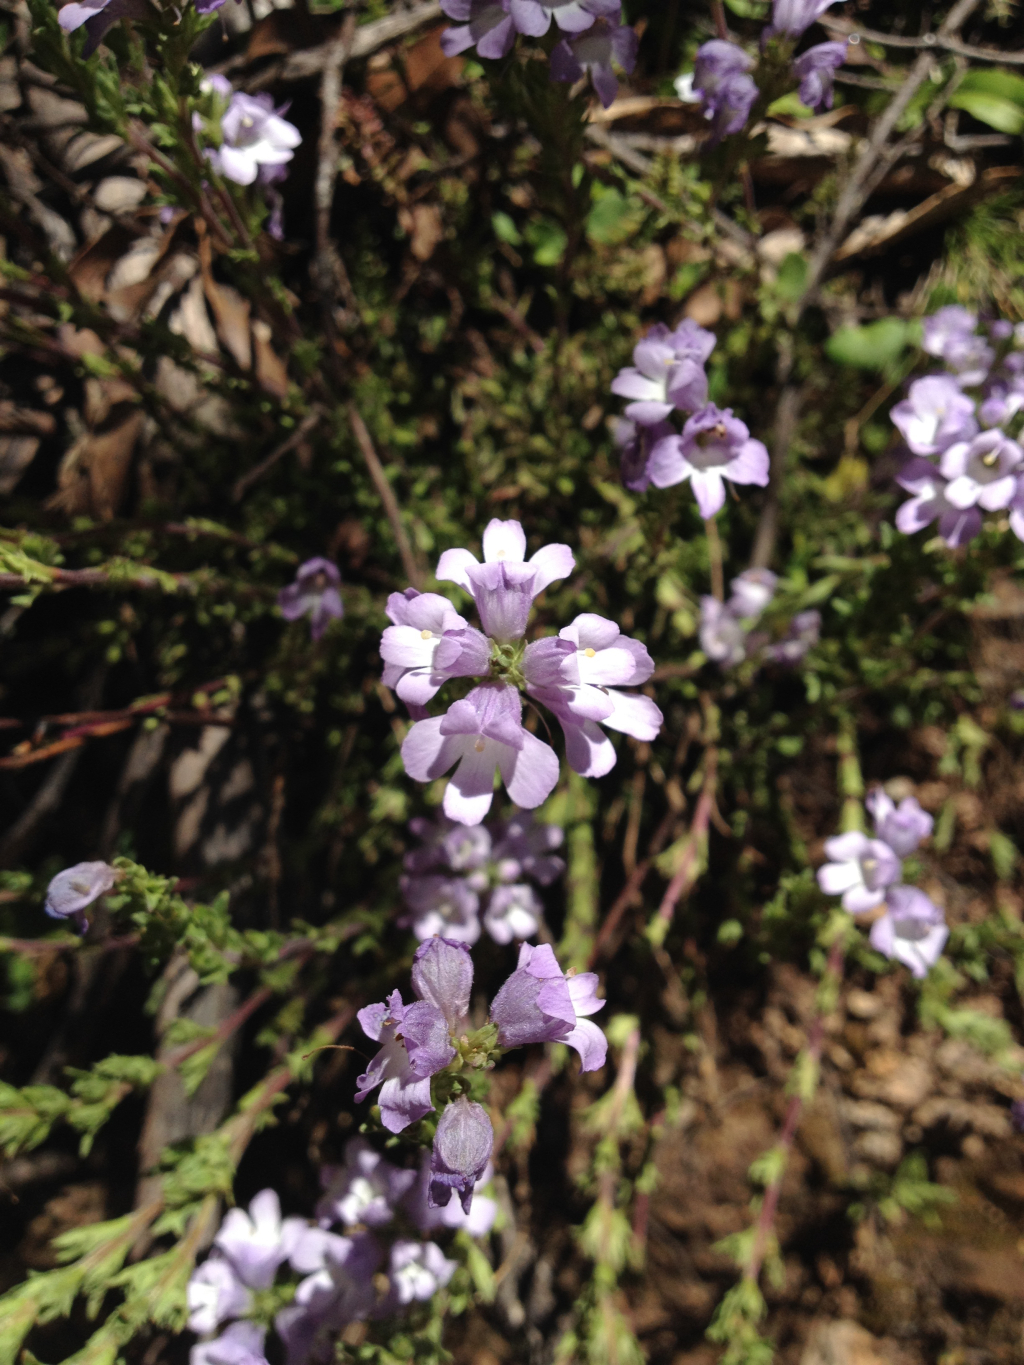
x,y
119,193
880,1149
841,1343
900,1081
862,1004
870,1114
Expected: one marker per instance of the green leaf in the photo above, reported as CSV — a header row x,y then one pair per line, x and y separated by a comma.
x,y
613,218
505,229
872,347
792,278
992,97
548,240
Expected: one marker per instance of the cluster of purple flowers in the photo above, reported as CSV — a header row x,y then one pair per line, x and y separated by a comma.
x,y
575,674
727,91
866,873
537,1004
593,35
341,1271
460,872
727,633
668,375
962,460
314,594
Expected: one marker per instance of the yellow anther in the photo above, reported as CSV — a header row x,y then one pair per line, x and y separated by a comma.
x,y
590,653
480,745
426,634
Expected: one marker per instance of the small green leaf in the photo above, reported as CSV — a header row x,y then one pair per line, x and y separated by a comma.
x,y
992,97
872,347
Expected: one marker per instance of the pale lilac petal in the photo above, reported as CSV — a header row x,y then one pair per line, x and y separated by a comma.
x,y
634,714
708,489
427,753
504,540
550,563
590,1043
531,774
452,568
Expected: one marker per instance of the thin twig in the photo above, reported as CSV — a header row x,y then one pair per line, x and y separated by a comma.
x,y
296,438
715,559
787,415
386,494
876,152
933,41
631,890
686,872
794,1113
328,270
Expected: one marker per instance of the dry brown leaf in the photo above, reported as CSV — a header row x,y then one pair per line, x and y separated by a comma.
x,y
119,193
95,261
26,420
231,316
655,274
94,473
191,320
706,305
271,371
103,394
79,342
423,224
16,454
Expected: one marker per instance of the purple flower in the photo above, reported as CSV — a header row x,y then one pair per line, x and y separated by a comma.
x,y
635,443
477,1222
215,1293
912,930
450,845
727,92
486,25
74,889
258,1241
752,591
593,52
314,594
951,326
1017,510
366,1189
803,633
576,675
338,1289
524,849
815,70
74,15
504,586
429,643
414,1045
929,502
239,1344
902,827
934,415
860,870
533,17
539,1004
254,135
792,17
714,446
462,1148
1002,402
441,905
722,637
667,373
417,1271
981,471
442,974
481,733
512,912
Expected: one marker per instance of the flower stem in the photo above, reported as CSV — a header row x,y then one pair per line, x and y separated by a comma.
x,y
715,559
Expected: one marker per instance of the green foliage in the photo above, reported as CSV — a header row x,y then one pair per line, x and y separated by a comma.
x,y
992,96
